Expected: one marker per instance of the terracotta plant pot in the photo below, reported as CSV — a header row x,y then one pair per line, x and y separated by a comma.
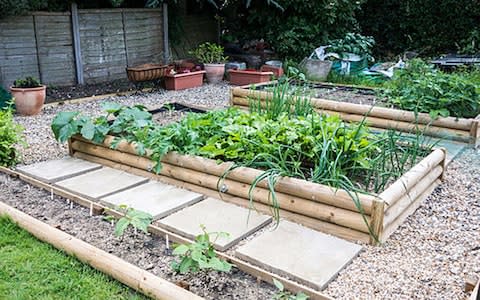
x,y
244,77
277,71
29,101
183,81
215,72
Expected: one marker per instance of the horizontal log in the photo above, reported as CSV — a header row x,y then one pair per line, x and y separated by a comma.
x,y
408,211
292,186
375,111
456,134
393,211
400,187
287,202
326,227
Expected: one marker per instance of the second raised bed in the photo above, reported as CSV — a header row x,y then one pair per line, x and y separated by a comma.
x,y
459,129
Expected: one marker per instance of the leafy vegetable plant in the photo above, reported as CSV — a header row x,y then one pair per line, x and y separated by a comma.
x,y
11,134
282,294
421,88
353,43
200,255
132,217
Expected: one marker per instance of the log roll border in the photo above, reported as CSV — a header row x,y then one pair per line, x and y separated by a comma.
x,y
314,205
459,129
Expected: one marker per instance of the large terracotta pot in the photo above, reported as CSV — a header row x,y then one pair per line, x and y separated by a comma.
x,y
29,101
215,72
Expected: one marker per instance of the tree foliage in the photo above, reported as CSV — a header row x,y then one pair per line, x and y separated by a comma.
x,y
298,28
426,26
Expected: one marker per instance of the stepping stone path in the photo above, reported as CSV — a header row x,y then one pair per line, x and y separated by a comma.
x,y
101,183
60,169
311,257
216,216
292,250
156,198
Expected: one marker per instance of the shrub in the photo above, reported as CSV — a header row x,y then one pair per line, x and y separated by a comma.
x,y
11,134
428,26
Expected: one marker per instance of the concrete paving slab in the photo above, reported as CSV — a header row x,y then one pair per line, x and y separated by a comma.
x,y
101,183
155,198
216,216
311,257
59,169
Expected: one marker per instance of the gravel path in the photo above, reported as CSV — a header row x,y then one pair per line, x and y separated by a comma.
x,y
426,258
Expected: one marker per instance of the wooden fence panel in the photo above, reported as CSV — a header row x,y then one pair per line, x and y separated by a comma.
x,y
55,48
41,44
144,37
18,50
103,45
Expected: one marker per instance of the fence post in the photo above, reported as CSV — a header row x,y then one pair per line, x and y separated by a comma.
x,y
76,44
166,54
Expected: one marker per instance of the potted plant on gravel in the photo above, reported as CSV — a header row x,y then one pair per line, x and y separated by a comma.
x,y
29,95
211,56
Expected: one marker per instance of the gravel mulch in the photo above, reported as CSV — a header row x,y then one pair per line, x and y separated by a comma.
x,y
428,257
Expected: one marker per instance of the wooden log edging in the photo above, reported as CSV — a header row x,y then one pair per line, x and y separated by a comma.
x,y
128,274
461,129
313,205
173,237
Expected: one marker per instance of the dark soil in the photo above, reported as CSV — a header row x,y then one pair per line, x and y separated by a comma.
x,y
145,251
60,93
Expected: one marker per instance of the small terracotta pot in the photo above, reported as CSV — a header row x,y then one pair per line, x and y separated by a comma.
x,y
215,72
29,101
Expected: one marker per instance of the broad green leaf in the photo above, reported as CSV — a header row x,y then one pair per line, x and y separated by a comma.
x,y
111,107
180,250
88,130
121,225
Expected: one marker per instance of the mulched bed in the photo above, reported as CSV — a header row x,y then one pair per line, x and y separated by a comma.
x,y
146,251
59,93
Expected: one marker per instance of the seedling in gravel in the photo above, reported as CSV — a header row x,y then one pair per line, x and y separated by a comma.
x,y
200,255
137,219
282,294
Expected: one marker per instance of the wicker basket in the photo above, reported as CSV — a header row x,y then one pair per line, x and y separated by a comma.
x,y
147,72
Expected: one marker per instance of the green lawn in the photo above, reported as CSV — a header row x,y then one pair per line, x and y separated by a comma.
x,y
30,269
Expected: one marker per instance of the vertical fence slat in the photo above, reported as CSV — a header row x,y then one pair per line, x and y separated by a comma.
x,y
76,44
166,52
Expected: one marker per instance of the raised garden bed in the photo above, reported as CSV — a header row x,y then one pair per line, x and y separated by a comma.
x,y
314,205
459,129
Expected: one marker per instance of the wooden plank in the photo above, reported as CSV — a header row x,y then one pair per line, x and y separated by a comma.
x,y
376,223
470,283
387,231
77,48
392,212
10,53
408,180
